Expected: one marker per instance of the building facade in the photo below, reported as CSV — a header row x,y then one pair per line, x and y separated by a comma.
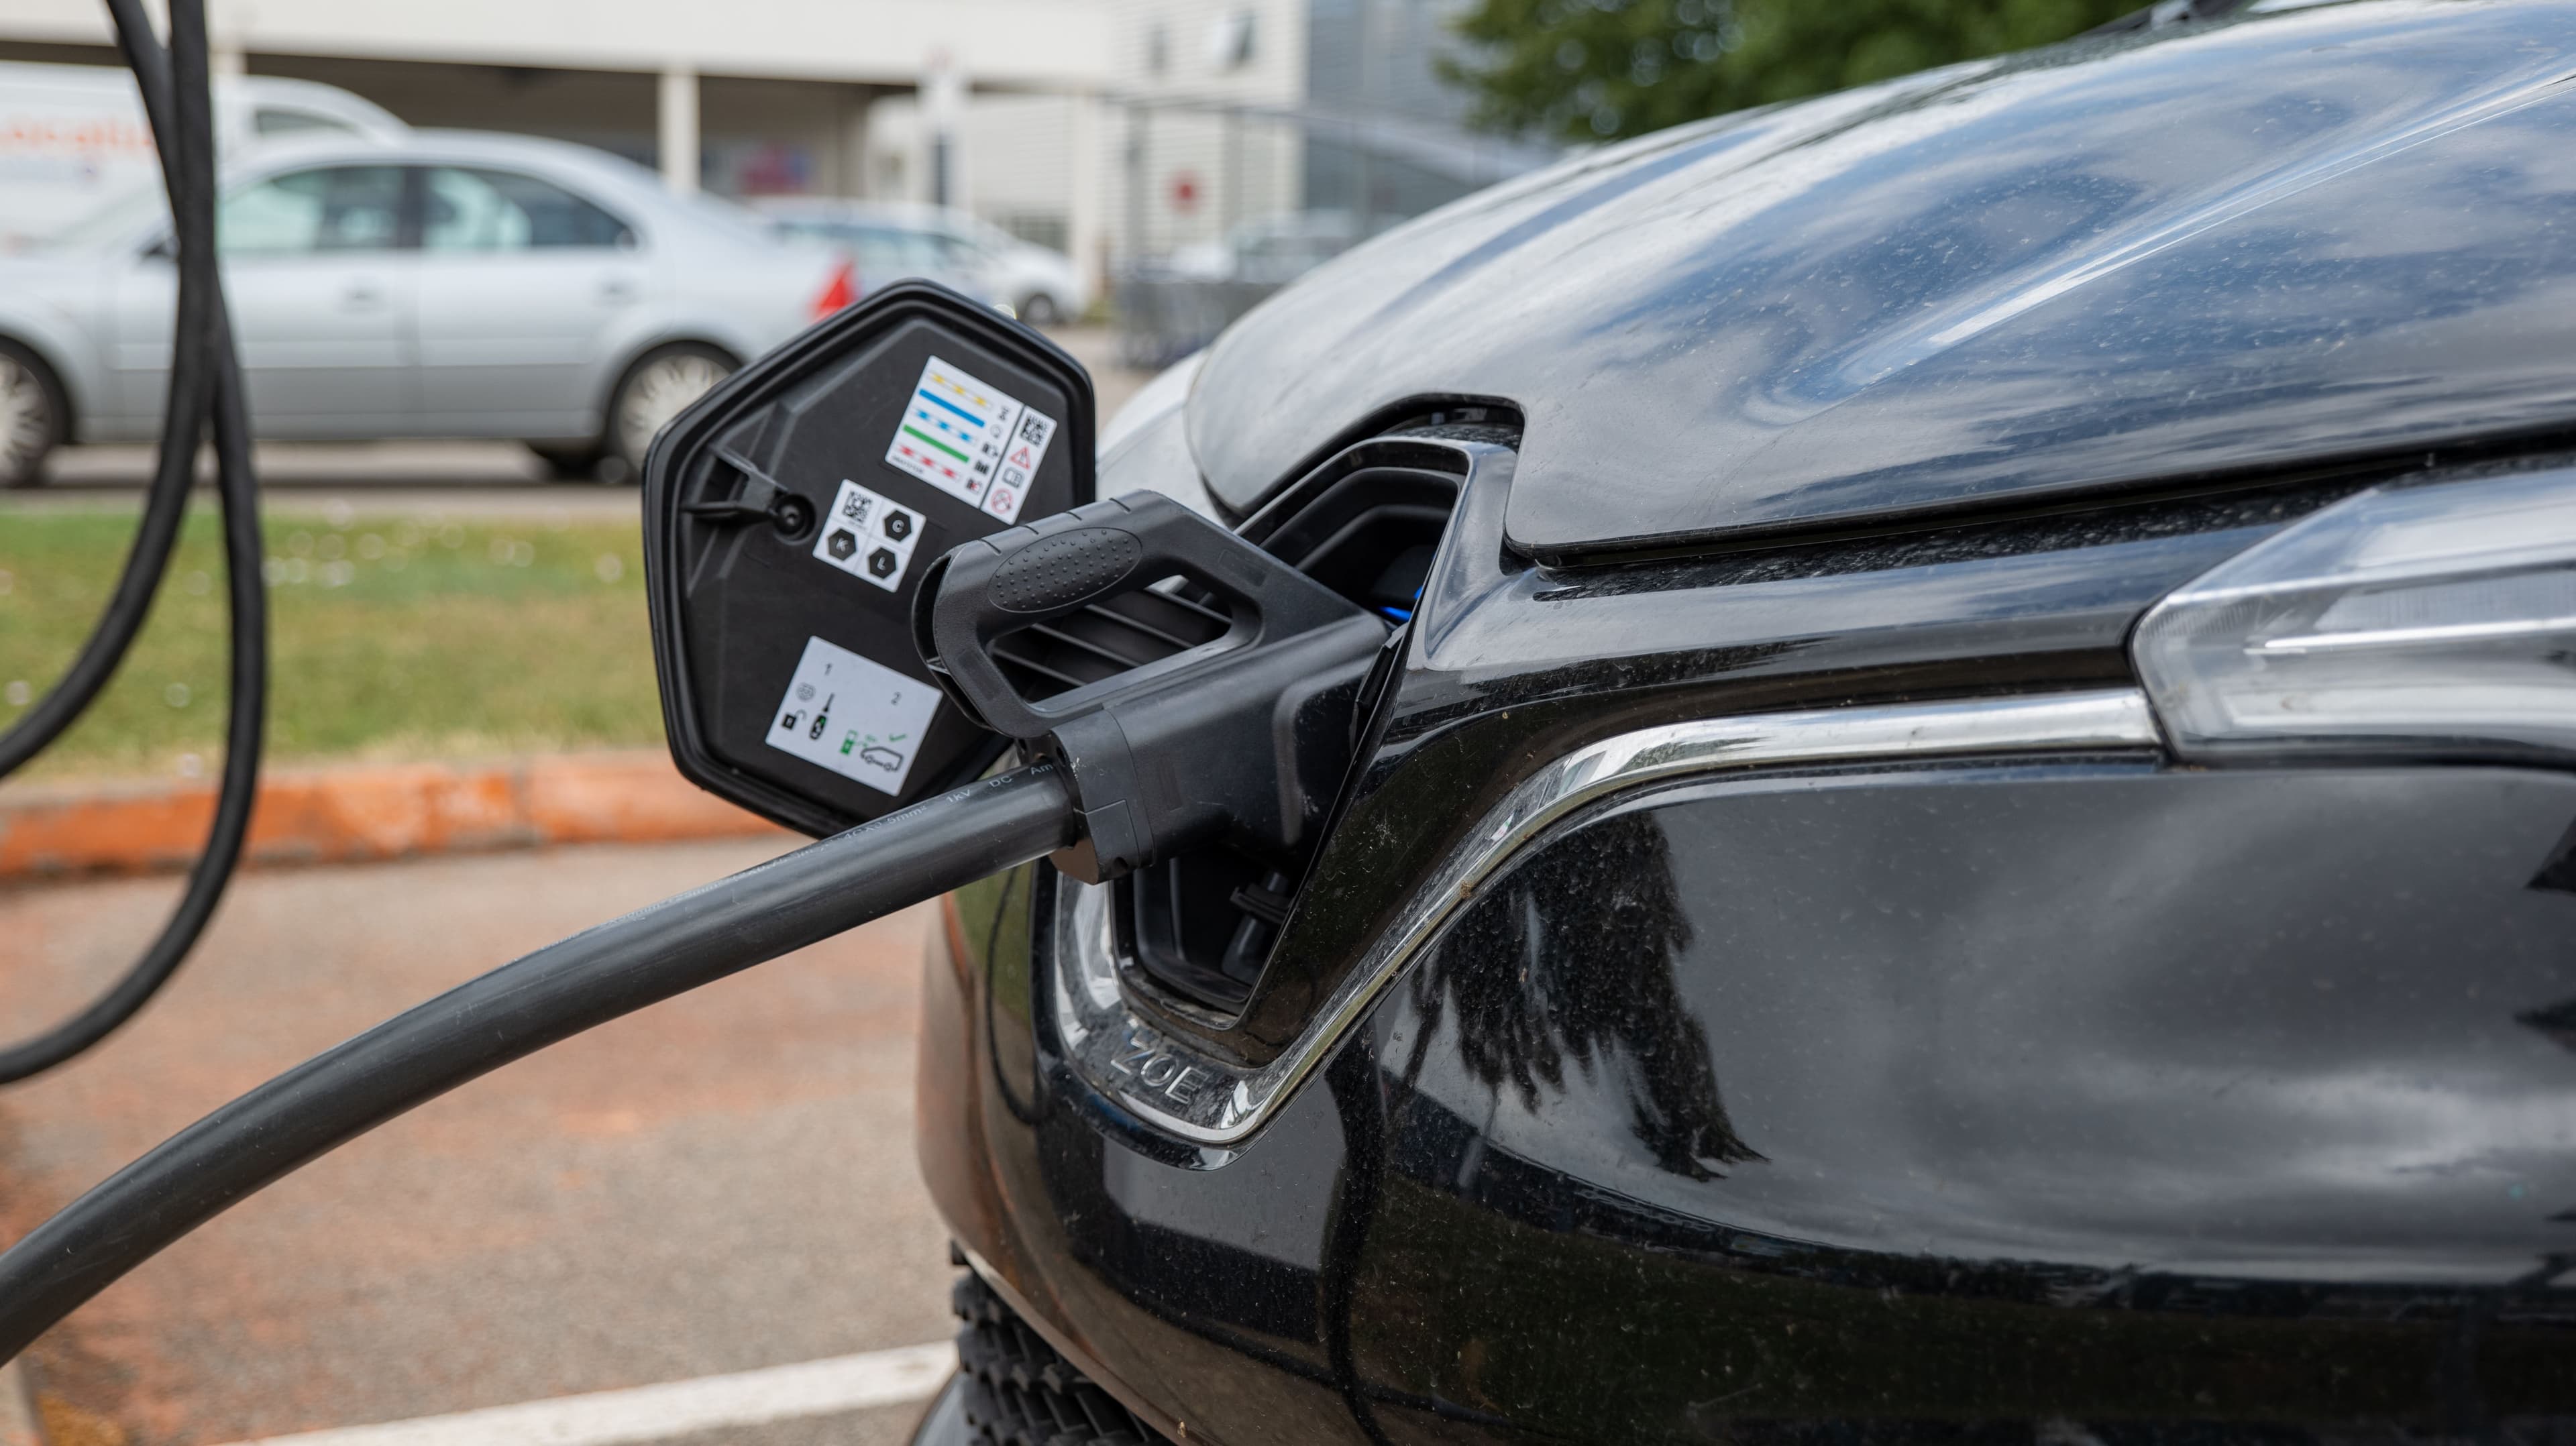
x,y
1117,130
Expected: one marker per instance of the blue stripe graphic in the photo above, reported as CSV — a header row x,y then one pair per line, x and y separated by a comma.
x,y
952,406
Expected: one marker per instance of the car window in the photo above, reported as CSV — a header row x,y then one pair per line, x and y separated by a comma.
x,y
473,209
332,208
270,122
889,251
956,250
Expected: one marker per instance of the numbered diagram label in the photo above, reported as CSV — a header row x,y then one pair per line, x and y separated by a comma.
x,y
868,536
972,441
858,718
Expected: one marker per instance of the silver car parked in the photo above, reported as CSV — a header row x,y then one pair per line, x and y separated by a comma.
x,y
894,239
451,284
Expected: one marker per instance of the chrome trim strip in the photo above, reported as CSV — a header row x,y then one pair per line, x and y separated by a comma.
x,y
1180,1088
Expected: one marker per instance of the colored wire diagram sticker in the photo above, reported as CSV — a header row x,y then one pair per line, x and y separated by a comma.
x,y
971,440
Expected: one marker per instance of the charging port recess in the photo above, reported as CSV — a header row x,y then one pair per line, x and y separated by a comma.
x,y
790,517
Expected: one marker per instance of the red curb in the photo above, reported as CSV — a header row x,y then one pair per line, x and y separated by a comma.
x,y
365,812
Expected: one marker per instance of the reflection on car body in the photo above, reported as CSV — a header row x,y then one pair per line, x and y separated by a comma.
x,y
1963,831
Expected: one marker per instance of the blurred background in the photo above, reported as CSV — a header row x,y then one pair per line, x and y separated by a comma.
x,y
477,253
1159,163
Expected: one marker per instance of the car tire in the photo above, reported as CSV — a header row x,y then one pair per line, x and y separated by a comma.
x,y
1039,309
34,416
659,386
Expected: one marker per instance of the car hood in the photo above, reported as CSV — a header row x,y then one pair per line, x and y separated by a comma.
x,y
2325,233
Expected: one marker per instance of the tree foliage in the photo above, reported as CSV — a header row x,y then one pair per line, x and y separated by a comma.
x,y
1593,70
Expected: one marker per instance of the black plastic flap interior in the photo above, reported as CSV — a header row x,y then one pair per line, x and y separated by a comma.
x,y
789,518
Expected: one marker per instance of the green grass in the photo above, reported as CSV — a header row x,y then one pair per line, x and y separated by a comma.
x,y
391,636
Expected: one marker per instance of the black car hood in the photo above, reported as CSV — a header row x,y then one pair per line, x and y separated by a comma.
x,y
2329,232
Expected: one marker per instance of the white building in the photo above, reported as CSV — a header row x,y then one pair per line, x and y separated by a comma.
x,y
1111,128
748,95
1177,143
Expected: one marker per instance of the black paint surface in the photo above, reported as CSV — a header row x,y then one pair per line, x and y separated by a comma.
x,y
1997,1099
2335,232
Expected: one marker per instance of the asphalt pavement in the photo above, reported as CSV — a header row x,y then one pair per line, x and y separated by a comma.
x,y
719,1184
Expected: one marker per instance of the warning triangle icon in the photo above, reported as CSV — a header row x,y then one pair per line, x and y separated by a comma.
x,y
1020,458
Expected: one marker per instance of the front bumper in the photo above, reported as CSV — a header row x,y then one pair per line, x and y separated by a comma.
x,y
1011,1386
2065,1089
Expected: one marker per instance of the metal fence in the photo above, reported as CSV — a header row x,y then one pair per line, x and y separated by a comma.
x,y
1163,317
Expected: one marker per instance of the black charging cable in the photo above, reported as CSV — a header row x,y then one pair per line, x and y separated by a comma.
x,y
1229,744
1242,742
166,503
205,379
595,976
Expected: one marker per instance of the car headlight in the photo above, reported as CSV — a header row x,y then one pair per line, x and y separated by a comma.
x,y
2432,618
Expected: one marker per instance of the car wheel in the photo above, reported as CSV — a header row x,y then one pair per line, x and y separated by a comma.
x,y
661,384
1039,309
33,416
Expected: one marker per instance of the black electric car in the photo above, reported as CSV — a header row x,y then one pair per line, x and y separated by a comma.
x,y
1963,832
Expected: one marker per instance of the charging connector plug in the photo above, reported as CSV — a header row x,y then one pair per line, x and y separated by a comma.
x,y
1243,740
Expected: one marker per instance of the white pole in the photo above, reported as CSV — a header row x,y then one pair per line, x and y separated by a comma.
x,y
1084,203
943,107
678,118
227,38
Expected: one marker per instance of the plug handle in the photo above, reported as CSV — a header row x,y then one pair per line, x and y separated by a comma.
x,y
985,590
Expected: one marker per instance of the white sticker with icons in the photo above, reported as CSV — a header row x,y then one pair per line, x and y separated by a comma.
x,y
858,718
971,440
869,536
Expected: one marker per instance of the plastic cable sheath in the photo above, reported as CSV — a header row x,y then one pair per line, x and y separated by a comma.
x,y
557,992
183,417
189,148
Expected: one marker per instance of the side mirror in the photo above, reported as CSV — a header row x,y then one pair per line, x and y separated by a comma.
x,y
790,516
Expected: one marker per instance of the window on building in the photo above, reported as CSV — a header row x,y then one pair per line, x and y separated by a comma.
x,y
1232,40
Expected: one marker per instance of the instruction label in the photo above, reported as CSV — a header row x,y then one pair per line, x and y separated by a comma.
x,y
971,440
869,536
858,718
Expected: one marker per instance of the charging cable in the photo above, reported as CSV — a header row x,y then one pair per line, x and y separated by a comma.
x,y
595,976
1242,742
205,377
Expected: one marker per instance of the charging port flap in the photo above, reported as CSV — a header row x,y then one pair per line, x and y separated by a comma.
x,y
790,517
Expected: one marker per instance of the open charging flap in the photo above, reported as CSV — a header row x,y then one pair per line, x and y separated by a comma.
x,y
789,519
